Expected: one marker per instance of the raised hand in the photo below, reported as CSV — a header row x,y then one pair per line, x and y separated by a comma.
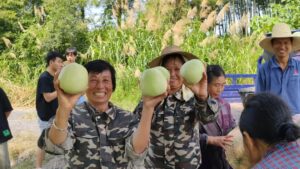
x,y
200,88
65,101
150,102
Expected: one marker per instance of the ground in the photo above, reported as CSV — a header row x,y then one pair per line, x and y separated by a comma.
x,y
24,126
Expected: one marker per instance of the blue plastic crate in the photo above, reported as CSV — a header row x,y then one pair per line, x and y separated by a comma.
x,y
232,91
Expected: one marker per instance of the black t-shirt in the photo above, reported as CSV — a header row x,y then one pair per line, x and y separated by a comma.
x,y
5,106
45,110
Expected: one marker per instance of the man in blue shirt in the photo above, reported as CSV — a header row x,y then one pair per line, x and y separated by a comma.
x,y
280,75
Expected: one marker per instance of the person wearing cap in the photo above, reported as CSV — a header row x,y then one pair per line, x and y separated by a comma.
x,y
174,140
280,75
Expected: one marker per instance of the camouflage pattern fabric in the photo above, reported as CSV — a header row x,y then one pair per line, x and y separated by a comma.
x,y
100,140
174,141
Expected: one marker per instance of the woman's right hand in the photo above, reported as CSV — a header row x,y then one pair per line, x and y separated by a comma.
x,y
150,102
221,141
66,101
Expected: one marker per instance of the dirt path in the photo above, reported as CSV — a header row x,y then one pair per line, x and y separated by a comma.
x,y
24,127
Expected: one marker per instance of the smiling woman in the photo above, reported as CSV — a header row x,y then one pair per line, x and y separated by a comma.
x,y
113,137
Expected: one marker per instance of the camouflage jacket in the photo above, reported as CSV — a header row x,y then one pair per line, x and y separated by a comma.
x,y
174,141
99,140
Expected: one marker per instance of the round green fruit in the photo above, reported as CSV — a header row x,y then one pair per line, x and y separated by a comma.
x,y
153,82
164,71
73,78
192,71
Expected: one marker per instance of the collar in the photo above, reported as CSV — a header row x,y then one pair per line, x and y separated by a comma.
x,y
111,112
184,93
274,63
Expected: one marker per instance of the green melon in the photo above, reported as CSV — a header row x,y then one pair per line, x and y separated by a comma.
x,y
153,82
164,71
192,71
235,153
73,78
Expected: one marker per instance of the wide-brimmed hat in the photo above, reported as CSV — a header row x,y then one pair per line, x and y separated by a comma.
x,y
280,30
169,51
297,34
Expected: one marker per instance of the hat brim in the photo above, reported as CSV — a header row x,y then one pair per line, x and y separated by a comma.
x,y
266,43
157,61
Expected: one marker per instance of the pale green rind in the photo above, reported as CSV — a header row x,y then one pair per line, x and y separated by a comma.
x,y
73,78
192,71
153,82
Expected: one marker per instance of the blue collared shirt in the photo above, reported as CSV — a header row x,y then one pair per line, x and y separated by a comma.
x,y
284,83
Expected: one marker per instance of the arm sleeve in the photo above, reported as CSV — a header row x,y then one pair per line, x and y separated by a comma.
x,y
5,101
206,111
46,144
45,85
136,160
138,109
232,120
260,81
203,141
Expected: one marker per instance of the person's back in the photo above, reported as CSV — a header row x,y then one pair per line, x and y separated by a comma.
x,y
269,134
282,155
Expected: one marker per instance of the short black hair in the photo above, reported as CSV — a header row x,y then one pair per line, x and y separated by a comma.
x,y
166,58
71,50
213,71
98,66
268,117
51,56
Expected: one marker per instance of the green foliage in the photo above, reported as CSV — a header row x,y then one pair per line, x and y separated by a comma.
x,y
287,11
129,50
9,10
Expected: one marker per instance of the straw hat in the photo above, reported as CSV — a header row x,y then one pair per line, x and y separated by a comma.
x,y
280,30
169,51
297,34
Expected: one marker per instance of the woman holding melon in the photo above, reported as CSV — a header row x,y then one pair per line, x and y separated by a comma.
x,y
97,133
174,135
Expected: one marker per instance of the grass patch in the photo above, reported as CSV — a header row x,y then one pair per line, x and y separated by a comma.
x,y
19,95
21,146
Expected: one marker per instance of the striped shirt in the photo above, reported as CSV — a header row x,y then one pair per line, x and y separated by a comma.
x,y
281,156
